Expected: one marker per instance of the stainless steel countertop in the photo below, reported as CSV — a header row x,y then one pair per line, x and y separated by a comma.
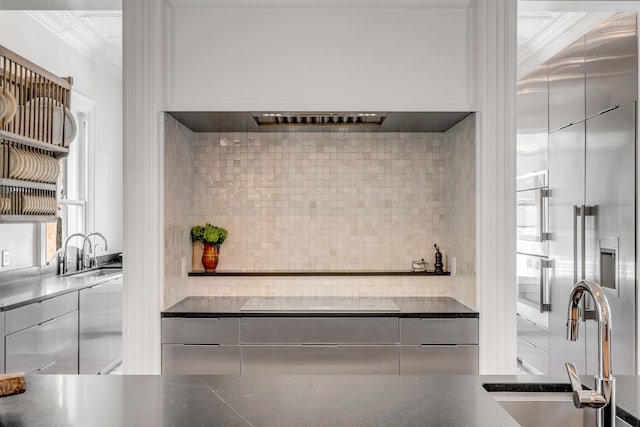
x,y
16,294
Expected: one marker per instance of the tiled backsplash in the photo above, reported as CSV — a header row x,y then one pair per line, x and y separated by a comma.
x,y
460,176
322,201
315,201
178,163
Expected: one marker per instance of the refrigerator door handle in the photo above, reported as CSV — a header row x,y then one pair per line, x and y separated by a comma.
x,y
543,194
583,210
545,265
588,308
576,213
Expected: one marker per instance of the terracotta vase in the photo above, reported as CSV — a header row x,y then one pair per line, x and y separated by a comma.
x,y
210,257
196,256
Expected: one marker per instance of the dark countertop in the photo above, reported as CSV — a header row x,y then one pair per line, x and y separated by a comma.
x,y
17,294
289,400
290,306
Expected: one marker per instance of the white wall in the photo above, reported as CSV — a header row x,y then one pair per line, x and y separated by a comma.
x,y
23,35
318,58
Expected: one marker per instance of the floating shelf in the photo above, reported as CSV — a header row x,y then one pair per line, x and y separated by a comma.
x,y
316,273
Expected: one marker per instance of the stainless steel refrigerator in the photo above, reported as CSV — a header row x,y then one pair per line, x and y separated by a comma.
x,y
592,191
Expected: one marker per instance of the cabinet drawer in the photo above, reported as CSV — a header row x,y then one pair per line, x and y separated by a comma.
x,y
320,359
536,335
439,331
66,365
319,330
38,312
40,345
438,359
200,330
532,356
179,359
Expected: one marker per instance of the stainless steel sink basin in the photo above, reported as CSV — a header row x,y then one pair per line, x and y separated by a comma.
x,y
534,409
97,272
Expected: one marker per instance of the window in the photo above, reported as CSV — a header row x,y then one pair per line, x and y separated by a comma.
x,y
74,203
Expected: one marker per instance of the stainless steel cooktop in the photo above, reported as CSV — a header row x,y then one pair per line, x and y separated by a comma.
x,y
319,304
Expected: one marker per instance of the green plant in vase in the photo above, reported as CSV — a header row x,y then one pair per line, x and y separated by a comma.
x,y
212,237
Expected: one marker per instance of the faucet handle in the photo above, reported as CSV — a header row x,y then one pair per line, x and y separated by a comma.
x,y
583,398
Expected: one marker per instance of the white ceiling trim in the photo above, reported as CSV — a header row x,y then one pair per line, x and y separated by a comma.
x,y
82,36
564,31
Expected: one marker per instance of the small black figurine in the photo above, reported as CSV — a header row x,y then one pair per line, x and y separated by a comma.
x,y
438,265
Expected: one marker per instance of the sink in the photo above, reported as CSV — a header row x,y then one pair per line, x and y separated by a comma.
x,y
544,404
534,409
97,272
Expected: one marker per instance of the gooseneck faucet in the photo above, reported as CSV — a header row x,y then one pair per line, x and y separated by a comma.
x,y
93,261
604,382
65,262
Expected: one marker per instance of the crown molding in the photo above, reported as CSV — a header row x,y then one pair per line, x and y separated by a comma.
x,y
75,31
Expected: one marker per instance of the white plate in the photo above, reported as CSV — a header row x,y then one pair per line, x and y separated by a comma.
x,y
12,107
70,127
15,165
3,105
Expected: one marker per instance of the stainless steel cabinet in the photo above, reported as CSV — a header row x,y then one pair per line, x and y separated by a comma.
x,y
200,346
196,359
40,345
200,330
611,58
64,365
38,312
457,330
567,86
319,359
94,341
319,345
439,359
319,330
533,346
439,346
100,327
114,321
535,334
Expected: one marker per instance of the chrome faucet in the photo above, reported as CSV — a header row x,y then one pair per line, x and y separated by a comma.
x,y
65,261
93,261
604,382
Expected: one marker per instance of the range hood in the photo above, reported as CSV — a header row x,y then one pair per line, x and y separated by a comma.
x,y
319,119
307,121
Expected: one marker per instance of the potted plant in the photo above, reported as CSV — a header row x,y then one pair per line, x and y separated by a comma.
x,y
212,237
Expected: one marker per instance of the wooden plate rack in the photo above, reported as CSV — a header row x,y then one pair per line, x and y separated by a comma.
x,y
32,122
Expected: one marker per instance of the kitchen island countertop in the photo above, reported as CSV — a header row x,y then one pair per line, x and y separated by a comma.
x,y
358,400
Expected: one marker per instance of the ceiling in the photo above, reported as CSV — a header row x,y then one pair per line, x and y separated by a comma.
x,y
98,33
95,33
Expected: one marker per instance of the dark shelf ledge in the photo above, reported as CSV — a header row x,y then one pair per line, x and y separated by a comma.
x,y
318,273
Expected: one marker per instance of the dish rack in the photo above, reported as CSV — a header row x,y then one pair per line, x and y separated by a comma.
x,y
35,132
